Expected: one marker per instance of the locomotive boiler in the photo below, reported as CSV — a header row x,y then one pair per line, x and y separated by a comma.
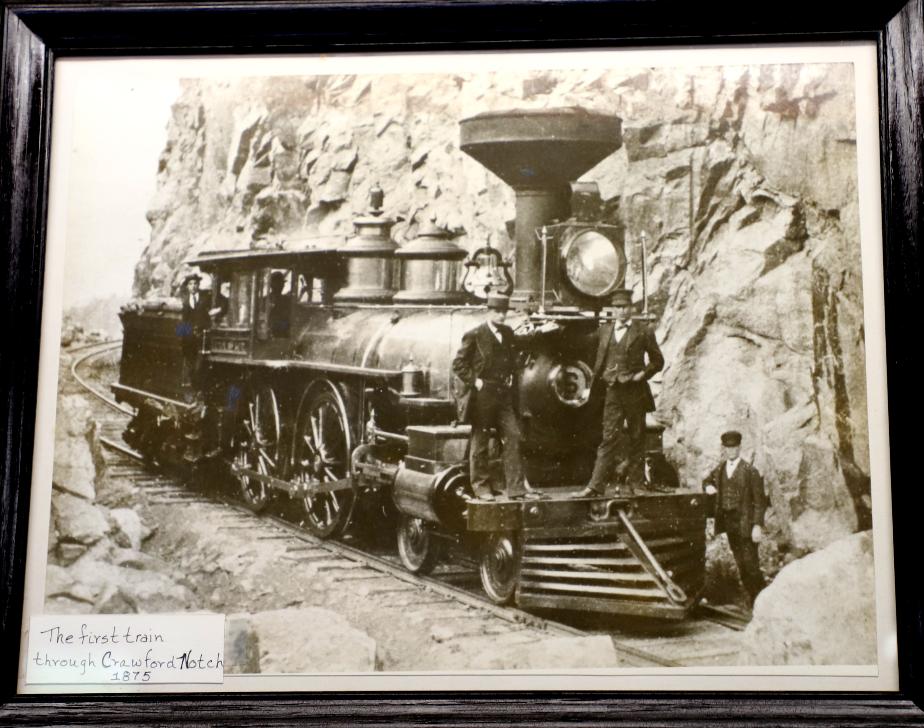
x,y
326,377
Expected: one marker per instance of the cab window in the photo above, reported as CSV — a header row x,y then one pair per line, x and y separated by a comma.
x,y
311,290
221,299
240,299
275,302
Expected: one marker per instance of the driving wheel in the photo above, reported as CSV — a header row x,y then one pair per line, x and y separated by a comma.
x,y
321,454
255,446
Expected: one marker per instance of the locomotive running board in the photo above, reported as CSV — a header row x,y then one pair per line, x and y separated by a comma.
x,y
296,490
121,390
634,542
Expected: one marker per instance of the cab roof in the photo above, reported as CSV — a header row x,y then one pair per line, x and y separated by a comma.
x,y
319,251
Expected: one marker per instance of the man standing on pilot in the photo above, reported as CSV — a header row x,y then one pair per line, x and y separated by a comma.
x,y
740,506
485,364
623,346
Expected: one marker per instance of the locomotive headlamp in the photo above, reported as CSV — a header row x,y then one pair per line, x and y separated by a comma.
x,y
593,263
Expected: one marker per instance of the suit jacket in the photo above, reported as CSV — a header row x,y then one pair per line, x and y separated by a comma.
x,y
753,502
640,340
195,319
473,358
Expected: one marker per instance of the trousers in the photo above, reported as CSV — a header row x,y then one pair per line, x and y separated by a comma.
x,y
744,550
623,440
492,408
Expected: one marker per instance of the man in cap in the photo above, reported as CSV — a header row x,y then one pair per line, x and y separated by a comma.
x,y
623,346
485,364
279,306
194,320
740,506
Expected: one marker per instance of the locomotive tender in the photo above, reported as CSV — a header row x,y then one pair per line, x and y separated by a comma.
x,y
328,378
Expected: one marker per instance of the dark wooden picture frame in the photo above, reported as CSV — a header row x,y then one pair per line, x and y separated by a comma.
x,y
36,34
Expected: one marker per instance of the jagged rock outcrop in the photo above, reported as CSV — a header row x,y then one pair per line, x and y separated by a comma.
x,y
95,564
820,610
77,458
742,180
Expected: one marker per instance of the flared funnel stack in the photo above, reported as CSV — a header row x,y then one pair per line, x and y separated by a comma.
x,y
538,152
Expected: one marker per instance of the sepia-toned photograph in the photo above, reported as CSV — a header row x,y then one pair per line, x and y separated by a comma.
x,y
472,368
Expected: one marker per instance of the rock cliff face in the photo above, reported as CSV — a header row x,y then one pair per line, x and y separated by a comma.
x,y
743,180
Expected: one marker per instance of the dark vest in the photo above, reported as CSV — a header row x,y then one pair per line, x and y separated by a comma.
x,y
731,488
616,355
499,363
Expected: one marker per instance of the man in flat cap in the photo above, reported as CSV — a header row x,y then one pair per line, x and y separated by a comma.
x,y
485,364
194,320
627,357
740,506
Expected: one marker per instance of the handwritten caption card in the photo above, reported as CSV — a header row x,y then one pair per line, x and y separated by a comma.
x,y
126,648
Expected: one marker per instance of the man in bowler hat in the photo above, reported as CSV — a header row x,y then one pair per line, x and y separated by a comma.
x,y
485,364
193,321
740,506
623,346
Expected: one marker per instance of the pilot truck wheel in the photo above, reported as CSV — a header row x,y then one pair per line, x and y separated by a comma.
x,y
501,554
417,547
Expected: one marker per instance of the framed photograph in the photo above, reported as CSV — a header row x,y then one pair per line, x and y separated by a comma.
x,y
436,364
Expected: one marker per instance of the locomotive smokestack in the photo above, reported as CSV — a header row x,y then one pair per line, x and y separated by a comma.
x,y
538,152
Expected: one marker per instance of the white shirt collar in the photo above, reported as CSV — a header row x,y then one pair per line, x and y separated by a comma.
x,y
730,465
494,330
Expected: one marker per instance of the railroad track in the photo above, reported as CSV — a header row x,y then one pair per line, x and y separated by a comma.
x,y
709,638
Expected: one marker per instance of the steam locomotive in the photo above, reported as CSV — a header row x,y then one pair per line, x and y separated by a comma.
x,y
326,377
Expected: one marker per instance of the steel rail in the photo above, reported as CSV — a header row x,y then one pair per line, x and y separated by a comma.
x,y
107,346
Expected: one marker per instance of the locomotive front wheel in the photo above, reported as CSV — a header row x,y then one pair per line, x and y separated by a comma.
x,y
256,446
501,554
418,549
321,453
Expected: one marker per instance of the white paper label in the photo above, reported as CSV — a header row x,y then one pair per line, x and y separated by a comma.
x,y
117,649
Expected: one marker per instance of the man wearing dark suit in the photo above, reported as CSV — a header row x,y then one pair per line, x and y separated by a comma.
x,y
622,349
740,506
485,364
194,320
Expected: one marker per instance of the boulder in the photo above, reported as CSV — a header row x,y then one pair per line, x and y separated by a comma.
x,y
127,529
242,646
307,640
78,521
75,463
68,553
820,610
52,538
58,581
132,559
65,605
120,589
